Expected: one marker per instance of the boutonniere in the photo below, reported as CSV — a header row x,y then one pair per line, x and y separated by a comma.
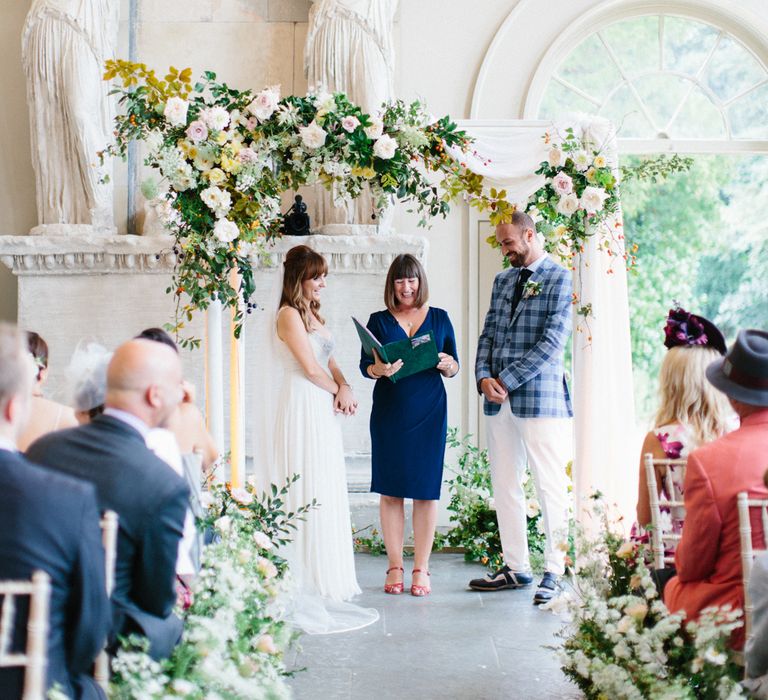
x,y
531,289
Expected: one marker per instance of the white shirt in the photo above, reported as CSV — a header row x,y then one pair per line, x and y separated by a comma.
x,y
134,421
536,263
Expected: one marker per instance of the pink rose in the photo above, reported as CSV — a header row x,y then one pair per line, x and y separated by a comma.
x,y
562,183
197,131
350,123
251,123
247,155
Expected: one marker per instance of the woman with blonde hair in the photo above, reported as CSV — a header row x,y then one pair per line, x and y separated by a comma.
x,y
308,443
691,412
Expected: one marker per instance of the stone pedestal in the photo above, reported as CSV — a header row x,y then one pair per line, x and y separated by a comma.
x,y
108,288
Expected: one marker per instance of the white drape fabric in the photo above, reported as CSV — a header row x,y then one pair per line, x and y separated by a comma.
x,y
605,456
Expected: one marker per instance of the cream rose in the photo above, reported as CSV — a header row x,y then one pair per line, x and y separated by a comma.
x,y
593,198
567,204
312,136
562,183
375,130
555,157
385,147
263,106
226,231
176,111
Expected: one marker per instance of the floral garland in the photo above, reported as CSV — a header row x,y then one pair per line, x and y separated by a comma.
x,y
225,156
234,639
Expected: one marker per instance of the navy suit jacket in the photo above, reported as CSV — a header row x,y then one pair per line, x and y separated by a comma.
x,y
525,350
51,522
151,502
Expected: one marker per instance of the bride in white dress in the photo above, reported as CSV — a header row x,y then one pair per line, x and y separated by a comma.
x,y
308,442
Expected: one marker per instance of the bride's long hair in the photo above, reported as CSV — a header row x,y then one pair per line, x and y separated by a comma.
x,y
301,264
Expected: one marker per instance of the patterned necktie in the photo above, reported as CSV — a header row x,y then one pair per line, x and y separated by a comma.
x,y
522,278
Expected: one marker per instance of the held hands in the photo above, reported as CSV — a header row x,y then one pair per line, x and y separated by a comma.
x,y
493,390
447,366
344,401
384,369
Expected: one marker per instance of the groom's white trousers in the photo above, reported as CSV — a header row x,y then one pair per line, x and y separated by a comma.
x,y
545,444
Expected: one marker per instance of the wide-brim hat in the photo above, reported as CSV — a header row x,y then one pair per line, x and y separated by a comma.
x,y
743,373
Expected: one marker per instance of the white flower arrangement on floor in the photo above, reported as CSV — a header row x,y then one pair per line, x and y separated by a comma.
x,y
623,643
234,640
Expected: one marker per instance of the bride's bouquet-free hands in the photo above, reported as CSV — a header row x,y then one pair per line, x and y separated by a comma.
x,y
345,401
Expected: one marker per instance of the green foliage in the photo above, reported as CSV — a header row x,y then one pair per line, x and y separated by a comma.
x,y
372,542
622,641
475,527
701,242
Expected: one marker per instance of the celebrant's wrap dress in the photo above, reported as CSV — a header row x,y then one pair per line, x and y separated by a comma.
x,y
409,418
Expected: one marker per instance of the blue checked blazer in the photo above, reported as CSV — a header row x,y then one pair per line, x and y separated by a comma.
x,y
525,350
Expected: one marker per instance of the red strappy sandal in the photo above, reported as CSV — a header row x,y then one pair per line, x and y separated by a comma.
x,y
420,591
394,588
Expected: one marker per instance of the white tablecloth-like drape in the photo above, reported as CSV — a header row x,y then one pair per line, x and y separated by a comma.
x,y
605,457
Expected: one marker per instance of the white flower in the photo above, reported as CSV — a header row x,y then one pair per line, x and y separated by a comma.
x,y
718,658
154,141
204,162
312,136
262,540
224,523
568,204
215,118
325,102
226,231
206,499
637,610
599,161
625,624
216,199
626,550
592,199
385,147
264,104
532,508
183,687
375,130
176,111
580,160
350,123
555,157
562,183
241,495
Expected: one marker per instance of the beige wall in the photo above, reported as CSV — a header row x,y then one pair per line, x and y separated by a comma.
x,y
441,45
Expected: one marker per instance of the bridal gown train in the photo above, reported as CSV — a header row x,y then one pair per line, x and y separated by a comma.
x,y
308,442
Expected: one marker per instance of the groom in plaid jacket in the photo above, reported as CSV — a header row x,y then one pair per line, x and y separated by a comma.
x,y
519,370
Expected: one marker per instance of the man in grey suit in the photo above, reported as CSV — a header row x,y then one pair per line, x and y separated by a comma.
x,y
48,522
520,373
144,386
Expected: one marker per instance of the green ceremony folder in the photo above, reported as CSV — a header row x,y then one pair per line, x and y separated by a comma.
x,y
417,353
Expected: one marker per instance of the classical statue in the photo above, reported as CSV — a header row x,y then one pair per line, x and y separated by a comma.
x,y
349,49
64,45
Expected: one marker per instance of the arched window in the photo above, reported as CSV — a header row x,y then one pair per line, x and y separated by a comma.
x,y
664,76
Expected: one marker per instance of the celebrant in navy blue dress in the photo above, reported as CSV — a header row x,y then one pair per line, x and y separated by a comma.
x,y
409,420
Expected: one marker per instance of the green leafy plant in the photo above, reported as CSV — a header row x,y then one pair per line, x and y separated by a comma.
x,y
234,642
475,527
622,642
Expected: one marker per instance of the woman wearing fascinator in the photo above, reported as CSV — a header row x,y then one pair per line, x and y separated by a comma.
x,y
691,411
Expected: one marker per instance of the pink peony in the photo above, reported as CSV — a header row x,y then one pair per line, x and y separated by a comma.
x,y
197,131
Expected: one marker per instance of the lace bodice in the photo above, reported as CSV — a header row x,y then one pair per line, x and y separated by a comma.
x,y
322,347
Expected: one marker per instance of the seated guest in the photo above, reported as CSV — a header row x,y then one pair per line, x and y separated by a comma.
x,y
87,378
144,386
45,415
692,412
708,558
187,422
756,652
48,522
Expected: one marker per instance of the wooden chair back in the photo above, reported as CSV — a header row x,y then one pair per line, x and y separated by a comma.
x,y
661,540
34,659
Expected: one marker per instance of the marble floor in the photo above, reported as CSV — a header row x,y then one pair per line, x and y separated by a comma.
x,y
454,644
